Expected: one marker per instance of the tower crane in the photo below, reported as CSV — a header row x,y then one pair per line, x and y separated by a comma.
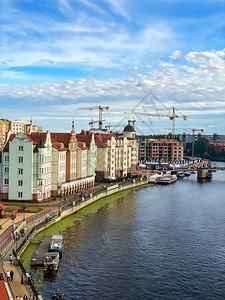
x,y
93,122
100,108
193,139
171,116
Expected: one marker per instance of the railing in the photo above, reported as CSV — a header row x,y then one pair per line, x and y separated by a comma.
x,y
29,280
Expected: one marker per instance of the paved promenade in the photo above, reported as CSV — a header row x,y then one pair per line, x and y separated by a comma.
x,y
17,288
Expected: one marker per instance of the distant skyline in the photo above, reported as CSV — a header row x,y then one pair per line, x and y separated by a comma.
x,y
58,55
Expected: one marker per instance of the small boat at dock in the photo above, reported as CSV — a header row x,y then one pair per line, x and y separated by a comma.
x,y
56,244
51,261
168,179
180,174
187,173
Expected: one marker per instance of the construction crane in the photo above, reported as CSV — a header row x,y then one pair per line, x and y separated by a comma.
x,y
93,122
100,108
193,139
172,116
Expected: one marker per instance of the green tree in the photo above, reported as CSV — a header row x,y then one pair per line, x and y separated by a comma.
x,y
201,146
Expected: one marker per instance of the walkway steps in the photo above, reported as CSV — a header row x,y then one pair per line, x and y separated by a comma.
x,y
38,259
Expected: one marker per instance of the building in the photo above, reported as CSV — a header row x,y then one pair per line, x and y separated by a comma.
x,y
117,154
189,138
18,126
41,165
130,133
160,149
87,139
219,147
26,167
4,128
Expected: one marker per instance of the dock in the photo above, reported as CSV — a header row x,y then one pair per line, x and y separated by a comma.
x,y
39,256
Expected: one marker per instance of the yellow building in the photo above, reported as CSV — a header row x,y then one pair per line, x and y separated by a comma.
x,y
117,154
4,128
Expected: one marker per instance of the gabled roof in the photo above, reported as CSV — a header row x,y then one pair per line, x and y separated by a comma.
x,y
86,138
101,139
82,145
60,141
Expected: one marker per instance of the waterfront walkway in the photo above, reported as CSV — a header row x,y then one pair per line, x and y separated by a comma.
x,y
17,287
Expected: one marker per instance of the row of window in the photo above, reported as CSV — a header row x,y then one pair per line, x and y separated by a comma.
x,y
19,182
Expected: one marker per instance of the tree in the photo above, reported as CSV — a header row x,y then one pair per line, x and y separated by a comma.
x,y
201,146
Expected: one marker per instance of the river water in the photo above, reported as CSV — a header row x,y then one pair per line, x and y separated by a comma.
x,y
158,242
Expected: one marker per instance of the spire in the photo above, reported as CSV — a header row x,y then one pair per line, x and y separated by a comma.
x,y
73,123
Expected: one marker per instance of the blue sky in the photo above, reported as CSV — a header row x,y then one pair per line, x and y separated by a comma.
x,y
58,55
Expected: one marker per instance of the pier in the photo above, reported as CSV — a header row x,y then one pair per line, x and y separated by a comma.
x,y
38,259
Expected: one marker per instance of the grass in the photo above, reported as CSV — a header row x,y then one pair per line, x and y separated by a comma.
x,y
30,208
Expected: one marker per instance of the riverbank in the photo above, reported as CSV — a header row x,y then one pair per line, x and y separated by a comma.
x,y
58,212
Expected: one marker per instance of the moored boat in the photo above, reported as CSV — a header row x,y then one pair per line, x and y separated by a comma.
x,y
168,179
187,173
56,244
51,261
180,174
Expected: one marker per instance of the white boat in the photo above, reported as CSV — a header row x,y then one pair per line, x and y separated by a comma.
x,y
180,174
154,178
56,244
167,179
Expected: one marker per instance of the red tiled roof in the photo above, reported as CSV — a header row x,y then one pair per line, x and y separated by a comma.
x,y
82,145
86,138
2,207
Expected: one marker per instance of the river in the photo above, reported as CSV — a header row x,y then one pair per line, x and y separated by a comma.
x,y
158,242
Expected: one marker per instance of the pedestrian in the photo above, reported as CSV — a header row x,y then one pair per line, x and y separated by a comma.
x,y
10,258
11,275
25,297
31,297
8,276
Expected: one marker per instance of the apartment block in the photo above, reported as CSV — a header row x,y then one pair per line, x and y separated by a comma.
x,y
160,149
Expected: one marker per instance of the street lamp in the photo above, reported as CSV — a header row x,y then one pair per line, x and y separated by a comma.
x,y
23,208
12,217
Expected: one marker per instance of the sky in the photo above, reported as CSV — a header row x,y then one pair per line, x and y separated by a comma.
x,y
133,56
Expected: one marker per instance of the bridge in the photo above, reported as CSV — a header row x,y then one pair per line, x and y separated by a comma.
x,y
202,173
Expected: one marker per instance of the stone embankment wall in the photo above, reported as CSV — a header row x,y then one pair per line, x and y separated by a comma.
x,y
73,205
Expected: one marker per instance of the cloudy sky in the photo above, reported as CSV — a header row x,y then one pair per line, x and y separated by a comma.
x,y
143,56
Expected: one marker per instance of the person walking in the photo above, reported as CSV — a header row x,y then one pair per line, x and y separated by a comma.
x,y
10,258
8,276
11,275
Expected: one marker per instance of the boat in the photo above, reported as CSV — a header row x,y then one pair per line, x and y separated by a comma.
x,y
180,174
56,244
167,179
51,261
154,178
187,173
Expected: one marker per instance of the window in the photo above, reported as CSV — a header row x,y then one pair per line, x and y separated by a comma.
x,y
20,159
20,171
6,181
6,158
20,148
19,194
6,170
20,182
